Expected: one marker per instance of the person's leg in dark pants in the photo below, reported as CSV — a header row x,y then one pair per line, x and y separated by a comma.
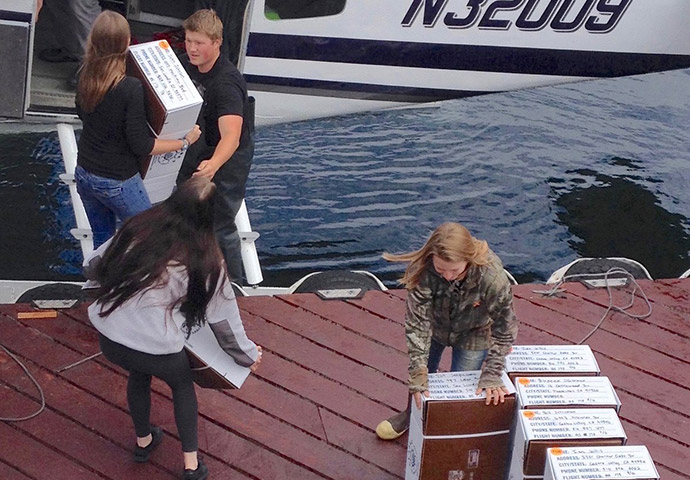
x,y
435,353
231,181
174,370
139,401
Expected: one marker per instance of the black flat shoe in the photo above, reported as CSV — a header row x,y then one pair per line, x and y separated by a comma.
x,y
200,473
142,454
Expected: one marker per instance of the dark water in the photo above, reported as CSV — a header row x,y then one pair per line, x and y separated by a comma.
x,y
600,168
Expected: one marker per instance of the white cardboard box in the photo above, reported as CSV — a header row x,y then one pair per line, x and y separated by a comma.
x,y
629,462
537,430
456,435
551,360
221,370
173,106
566,392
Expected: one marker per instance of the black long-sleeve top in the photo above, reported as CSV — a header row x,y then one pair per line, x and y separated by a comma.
x,y
116,136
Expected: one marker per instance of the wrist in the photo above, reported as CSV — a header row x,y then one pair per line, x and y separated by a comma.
x,y
185,145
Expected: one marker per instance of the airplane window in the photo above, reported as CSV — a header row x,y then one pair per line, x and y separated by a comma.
x,y
291,9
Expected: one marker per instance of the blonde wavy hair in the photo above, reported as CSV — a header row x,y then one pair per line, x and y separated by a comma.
x,y
205,21
450,242
104,60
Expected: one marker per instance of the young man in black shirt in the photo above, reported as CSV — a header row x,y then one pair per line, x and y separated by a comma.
x,y
227,121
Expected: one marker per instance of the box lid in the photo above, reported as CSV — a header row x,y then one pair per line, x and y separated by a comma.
x,y
599,463
459,385
563,391
551,358
454,409
165,74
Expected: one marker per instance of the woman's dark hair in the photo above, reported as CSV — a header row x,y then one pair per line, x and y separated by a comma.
x,y
178,231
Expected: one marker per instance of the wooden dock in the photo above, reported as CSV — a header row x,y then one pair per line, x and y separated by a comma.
x,y
331,371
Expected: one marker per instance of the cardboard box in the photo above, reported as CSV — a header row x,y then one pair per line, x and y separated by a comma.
x,y
551,360
630,462
456,435
173,105
566,392
212,367
537,430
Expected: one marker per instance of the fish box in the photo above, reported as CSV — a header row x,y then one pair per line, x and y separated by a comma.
x,y
538,430
456,435
551,360
172,108
629,462
566,392
211,366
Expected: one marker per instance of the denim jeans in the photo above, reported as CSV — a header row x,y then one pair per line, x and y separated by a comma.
x,y
107,199
461,361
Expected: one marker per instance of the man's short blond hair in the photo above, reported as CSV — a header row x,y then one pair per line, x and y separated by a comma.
x,y
206,22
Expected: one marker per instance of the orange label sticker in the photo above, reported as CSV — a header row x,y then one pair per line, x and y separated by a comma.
x,y
556,452
528,414
523,381
164,44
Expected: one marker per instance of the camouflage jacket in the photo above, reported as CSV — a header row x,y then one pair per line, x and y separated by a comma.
x,y
475,313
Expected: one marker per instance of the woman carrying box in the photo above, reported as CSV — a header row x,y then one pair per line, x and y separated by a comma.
x,y
458,296
115,136
161,277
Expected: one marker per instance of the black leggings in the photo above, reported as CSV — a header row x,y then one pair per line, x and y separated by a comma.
x,y
174,370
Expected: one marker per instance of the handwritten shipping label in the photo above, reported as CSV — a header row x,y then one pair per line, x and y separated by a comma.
x,y
166,75
564,424
599,463
535,391
551,358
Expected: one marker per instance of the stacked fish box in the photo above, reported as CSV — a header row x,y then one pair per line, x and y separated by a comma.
x,y
562,403
455,435
551,361
537,430
172,107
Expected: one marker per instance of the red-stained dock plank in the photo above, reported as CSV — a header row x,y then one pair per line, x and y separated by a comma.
x,y
331,371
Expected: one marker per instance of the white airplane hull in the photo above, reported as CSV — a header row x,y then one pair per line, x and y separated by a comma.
x,y
387,53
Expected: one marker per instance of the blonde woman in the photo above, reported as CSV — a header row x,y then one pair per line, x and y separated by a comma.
x,y
115,134
458,296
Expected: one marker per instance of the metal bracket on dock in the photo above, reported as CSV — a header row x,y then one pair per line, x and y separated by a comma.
x,y
67,179
81,233
249,236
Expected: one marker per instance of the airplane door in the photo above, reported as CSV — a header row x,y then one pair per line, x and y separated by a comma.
x,y
245,28
16,45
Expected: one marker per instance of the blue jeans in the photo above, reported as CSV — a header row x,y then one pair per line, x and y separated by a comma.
x,y
107,199
462,360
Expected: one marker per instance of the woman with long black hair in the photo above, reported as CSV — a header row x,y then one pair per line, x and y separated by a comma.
x,y
161,277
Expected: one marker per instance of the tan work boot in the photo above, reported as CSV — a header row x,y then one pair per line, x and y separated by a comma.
x,y
395,426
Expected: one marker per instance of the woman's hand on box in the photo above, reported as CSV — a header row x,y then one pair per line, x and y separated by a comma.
x,y
255,365
494,395
418,398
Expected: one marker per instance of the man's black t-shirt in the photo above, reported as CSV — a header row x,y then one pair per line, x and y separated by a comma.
x,y
225,93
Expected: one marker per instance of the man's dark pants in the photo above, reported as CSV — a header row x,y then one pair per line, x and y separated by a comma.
x,y
231,181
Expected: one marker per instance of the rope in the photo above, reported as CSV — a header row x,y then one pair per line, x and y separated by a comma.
x,y
624,309
38,387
